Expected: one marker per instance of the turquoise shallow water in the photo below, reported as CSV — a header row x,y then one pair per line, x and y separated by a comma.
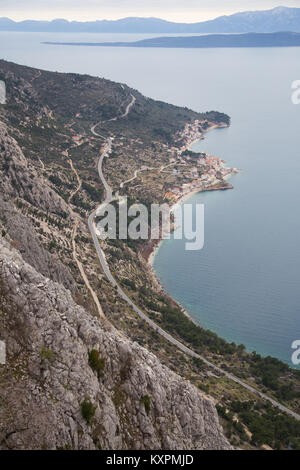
x,y
245,283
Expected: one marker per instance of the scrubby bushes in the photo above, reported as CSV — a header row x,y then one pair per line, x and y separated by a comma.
x,y
97,363
266,424
88,410
47,355
145,400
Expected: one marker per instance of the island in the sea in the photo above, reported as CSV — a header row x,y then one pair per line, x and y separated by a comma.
x,y
279,39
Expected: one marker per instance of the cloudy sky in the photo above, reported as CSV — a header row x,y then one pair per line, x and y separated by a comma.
x,y
174,10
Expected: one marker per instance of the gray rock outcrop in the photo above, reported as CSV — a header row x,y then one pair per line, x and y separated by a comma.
x,y
137,402
21,179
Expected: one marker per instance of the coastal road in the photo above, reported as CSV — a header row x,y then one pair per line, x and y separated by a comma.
x,y
140,313
127,111
105,153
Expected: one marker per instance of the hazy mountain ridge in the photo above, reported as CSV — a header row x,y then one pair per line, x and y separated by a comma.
x,y
277,19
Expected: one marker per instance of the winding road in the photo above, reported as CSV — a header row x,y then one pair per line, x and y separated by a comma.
x,y
126,112
109,198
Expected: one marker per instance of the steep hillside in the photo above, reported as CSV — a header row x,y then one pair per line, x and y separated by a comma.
x,y
71,380
137,403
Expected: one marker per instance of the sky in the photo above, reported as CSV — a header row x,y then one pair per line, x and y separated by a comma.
x,y
173,10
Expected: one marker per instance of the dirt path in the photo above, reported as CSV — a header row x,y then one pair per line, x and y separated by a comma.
x,y
42,165
78,181
82,272
39,73
149,168
74,251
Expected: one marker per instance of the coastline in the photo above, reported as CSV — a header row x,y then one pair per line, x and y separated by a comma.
x,y
154,252
157,243
158,284
153,247
216,187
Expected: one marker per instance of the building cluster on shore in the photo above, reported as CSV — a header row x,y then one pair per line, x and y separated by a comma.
x,y
194,131
208,172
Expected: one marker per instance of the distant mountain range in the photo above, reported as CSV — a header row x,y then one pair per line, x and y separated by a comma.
x,y
267,21
280,39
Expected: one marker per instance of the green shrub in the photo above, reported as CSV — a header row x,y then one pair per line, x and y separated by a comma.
x,y
88,410
52,245
146,402
96,363
204,387
47,354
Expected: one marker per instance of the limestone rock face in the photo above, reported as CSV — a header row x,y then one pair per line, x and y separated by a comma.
x,y
21,178
137,402
19,228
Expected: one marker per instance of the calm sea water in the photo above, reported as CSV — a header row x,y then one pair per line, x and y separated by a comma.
x,y
245,283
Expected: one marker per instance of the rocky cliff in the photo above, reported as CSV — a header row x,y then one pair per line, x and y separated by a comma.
x,y
137,402
19,179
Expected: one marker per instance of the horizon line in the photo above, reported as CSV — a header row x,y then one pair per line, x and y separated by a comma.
x,y
145,17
